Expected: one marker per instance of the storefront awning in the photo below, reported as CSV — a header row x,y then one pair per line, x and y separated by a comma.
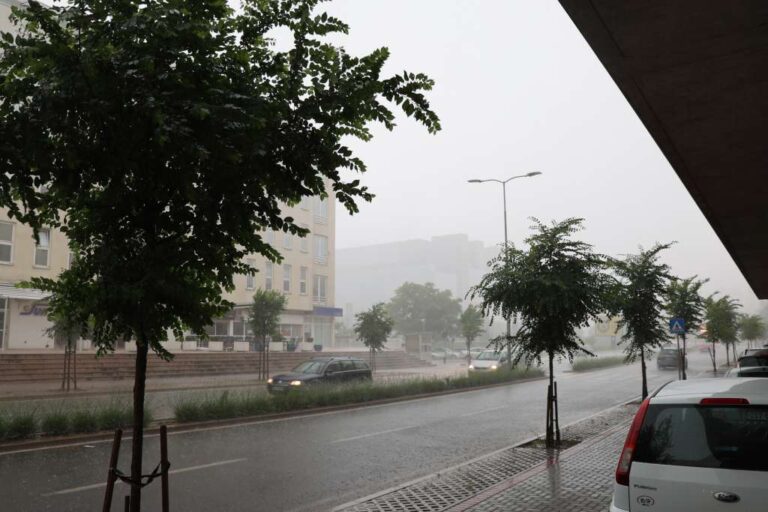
x,y
11,292
325,311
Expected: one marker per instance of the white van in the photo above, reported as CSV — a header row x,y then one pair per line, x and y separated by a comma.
x,y
488,360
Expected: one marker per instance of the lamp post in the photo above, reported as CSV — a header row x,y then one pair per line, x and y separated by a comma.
x,y
506,239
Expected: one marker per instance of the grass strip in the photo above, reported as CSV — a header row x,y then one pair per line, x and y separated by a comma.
x,y
238,404
583,364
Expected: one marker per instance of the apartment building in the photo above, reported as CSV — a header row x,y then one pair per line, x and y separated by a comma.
x,y
306,276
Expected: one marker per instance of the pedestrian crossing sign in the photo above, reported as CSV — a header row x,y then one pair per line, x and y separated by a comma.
x,y
677,326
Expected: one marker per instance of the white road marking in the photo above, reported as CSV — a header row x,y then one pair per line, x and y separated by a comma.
x,y
355,438
171,472
481,411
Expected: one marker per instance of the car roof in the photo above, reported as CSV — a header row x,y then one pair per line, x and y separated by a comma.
x,y
692,391
336,358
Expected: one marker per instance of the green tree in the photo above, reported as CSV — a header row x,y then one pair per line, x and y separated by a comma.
x,y
553,289
721,316
471,321
751,328
424,308
684,301
266,309
642,286
373,327
162,137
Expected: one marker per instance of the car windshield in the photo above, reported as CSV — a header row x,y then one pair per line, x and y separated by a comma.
x,y
310,367
488,355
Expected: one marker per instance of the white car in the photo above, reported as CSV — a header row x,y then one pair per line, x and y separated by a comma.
x,y
488,360
697,445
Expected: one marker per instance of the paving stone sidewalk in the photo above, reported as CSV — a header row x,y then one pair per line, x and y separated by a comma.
x,y
525,478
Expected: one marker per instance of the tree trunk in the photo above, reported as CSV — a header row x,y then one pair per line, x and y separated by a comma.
x,y
64,369
713,356
550,431
727,356
685,354
735,359
74,365
645,378
469,354
140,378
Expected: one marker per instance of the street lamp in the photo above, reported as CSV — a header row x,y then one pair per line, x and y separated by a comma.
x,y
506,240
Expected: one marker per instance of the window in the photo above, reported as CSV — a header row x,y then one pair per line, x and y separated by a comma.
x,y
288,241
303,272
334,367
304,203
269,235
42,249
321,249
250,277
319,288
304,241
268,275
287,269
6,242
321,210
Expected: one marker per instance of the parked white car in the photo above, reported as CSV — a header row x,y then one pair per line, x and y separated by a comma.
x,y
697,445
488,360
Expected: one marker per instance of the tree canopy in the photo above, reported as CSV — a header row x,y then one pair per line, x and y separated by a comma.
x,y
640,298
751,327
266,309
424,308
553,289
373,327
471,321
163,138
684,300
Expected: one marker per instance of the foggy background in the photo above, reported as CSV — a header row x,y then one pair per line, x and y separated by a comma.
x,y
518,90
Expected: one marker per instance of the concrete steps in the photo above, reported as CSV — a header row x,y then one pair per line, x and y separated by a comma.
x,y
47,367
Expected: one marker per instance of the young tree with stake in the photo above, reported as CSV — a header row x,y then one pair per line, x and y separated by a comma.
x,y
162,138
373,327
554,288
266,309
642,286
471,321
684,301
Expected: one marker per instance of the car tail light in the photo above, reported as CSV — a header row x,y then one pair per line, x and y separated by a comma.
x,y
625,461
724,401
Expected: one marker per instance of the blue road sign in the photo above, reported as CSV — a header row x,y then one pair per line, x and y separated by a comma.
x,y
677,326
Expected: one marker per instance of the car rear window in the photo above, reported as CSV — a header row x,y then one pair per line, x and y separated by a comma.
x,y
753,361
732,437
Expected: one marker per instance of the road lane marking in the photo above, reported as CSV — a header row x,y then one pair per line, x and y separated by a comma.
x,y
481,411
355,438
171,472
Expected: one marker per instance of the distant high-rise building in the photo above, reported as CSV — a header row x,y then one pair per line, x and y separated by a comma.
x,y
370,274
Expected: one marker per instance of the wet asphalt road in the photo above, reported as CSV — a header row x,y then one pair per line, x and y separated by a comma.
x,y
315,462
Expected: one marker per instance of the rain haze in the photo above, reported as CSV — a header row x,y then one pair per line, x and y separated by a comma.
x,y
518,90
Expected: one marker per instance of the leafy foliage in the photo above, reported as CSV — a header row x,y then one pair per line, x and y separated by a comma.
x,y
751,327
168,133
266,309
554,288
722,319
471,321
374,326
643,283
422,307
684,301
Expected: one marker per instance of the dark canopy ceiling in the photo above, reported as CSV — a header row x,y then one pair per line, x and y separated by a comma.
x,y
696,73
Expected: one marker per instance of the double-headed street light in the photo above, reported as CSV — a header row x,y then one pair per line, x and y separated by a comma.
x,y
506,239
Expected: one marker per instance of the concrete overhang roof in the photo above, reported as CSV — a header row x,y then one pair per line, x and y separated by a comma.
x,y
696,74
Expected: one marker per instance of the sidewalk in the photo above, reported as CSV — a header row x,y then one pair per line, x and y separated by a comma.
x,y
522,478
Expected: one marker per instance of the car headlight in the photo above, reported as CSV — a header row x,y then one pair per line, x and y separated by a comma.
x,y
295,383
471,367
269,380
493,367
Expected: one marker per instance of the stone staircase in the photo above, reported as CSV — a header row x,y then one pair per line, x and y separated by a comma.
x,y
48,366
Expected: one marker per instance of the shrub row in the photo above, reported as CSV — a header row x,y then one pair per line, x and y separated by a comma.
x,y
239,404
28,424
583,364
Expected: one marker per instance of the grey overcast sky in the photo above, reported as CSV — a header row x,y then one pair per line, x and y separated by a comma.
x,y
518,89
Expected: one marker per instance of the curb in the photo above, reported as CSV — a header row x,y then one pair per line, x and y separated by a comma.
x,y
174,428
